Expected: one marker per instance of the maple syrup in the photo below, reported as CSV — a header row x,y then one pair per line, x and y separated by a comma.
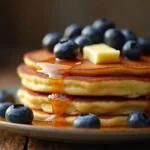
x,y
59,103
57,70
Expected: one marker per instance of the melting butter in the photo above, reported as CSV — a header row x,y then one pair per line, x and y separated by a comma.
x,y
101,53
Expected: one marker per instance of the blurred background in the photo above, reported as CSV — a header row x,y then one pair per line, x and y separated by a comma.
x,y
23,23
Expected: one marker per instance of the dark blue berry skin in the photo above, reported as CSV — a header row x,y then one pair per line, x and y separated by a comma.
x,y
19,113
103,24
3,108
95,34
128,34
6,97
72,31
87,121
50,40
66,50
145,45
138,119
114,38
82,41
132,50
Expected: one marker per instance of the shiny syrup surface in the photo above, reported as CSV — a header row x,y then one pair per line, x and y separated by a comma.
x,y
57,70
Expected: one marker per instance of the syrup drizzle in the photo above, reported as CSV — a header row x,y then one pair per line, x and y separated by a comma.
x,y
59,103
57,70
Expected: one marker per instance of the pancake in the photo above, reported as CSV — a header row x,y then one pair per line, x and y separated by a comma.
x,y
106,121
86,67
124,86
81,105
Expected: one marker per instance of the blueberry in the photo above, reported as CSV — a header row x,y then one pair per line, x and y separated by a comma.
x,y
128,34
19,113
72,31
131,50
87,121
145,45
64,39
138,119
50,40
66,50
114,38
6,97
103,24
3,108
82,41
95,34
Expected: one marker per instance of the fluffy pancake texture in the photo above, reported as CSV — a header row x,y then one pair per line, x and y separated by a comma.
x,y
88,68
111,91
107,121
81,105
126,86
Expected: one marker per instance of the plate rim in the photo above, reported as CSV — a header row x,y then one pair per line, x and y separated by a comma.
x,y
74,130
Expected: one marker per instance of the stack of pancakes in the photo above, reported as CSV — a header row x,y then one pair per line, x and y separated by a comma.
x,y
63,89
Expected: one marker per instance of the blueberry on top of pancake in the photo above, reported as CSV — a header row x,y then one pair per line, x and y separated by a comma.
x,y
145,45
114,38
72,31
95,34
66,50
82,41
128,34
132,50
103,24
50,40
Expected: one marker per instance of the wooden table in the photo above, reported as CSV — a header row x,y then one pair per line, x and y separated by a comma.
x,y
12,141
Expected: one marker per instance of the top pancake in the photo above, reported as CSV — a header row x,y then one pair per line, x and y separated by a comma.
x,y
141,67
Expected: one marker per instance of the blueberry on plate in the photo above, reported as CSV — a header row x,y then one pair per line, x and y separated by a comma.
x,y
103,24
138,119
50,40
3,108
145,45
87,121
82,41
128,34
114,38
132,50
95,34
72,31
6,97
66,50
19,113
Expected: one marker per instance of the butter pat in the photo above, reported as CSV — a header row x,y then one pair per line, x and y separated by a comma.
x,y
101,53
